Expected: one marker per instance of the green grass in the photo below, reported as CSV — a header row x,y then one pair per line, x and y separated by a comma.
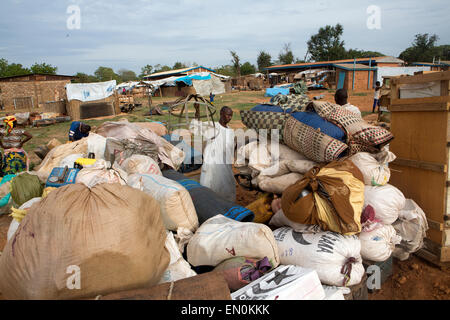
x,y
361,94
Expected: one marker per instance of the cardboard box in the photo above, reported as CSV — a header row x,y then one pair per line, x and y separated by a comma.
x,y
284,283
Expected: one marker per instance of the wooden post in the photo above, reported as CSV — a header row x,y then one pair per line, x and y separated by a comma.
x,y
160,92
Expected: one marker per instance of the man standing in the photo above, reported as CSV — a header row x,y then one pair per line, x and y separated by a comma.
x,y
217,172
340,97
78,130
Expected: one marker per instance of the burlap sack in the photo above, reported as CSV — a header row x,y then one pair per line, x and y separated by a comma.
x,y
334,201
101,240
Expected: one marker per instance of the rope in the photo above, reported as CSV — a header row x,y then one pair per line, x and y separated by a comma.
x,y
169,297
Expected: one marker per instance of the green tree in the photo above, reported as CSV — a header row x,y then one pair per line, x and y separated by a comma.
x,y
145,71
127,75
13,69
443,52
286,56
327,45
106,74
236,61
264,60
247,68
355,53
179,65
423,49
43,68
226,70
159,68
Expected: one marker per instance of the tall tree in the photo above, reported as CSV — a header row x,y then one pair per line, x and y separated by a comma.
x,y
443,52
247,68
327,45
146,70
179,65
12,69
106,74
226,70
286,56
127,75
264,60
422,50
355,53
236,63
159,68
43,68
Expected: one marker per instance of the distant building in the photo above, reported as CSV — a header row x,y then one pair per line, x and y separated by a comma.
x,y
180,82
351,74
33,91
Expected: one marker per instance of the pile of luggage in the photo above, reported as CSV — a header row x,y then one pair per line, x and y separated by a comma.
x,y
112,216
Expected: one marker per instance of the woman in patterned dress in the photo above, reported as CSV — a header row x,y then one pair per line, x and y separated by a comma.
x,y
12,139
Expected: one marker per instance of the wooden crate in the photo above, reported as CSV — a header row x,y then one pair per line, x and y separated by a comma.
x,y
421,127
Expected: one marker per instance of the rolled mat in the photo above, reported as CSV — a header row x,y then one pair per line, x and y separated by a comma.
x,y
207,203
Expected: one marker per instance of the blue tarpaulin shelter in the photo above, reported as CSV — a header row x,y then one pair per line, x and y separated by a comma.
x,y
272,92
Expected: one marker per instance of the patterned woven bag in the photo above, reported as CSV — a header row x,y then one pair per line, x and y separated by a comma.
x,y
358,130
264,120
312,143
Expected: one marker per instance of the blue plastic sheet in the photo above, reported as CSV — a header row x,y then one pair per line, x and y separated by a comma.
x,y
267,108
272,92
312,119
188,79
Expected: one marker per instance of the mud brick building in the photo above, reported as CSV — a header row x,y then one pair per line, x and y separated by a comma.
x,y
33,91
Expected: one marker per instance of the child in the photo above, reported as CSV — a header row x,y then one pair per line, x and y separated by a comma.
x,y
376,98
211,98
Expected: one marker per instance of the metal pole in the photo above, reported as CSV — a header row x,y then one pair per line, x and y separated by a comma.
x,y
354,66
370,65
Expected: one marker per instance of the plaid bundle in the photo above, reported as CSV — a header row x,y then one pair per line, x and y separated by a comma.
x,y
264,120
312,143
295,102
362,137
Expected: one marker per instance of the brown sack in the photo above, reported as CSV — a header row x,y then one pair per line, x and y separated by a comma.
x,y
156,127
112,233
336,200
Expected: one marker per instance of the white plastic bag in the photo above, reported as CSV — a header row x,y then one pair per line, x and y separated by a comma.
x,y
412,226
374,167
178,267
14,223
96,145
217,173
221,238
140,164
177,208
70,160
335,257
378,245
387,201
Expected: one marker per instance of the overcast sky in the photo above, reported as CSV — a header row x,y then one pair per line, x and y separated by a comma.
x,y
131,34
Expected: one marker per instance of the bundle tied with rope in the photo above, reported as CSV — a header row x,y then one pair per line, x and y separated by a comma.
x,y
331,197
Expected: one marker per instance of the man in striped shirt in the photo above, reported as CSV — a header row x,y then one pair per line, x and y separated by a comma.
x,y
78,130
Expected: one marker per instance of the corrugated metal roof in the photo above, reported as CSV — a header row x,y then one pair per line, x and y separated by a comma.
x,y
177,71
349,66
38,74
385,59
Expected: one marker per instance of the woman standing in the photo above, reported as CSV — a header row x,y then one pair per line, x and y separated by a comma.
x,y
11,140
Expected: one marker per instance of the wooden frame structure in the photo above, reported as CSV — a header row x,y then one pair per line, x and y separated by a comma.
x,y
421,127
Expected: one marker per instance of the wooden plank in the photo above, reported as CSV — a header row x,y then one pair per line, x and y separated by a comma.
x,y
427,189
419,107
421,101
437,167
428,77
435,225
420,136
445,88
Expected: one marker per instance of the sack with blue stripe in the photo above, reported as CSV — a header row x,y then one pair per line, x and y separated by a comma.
x,y
176,207
207,203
